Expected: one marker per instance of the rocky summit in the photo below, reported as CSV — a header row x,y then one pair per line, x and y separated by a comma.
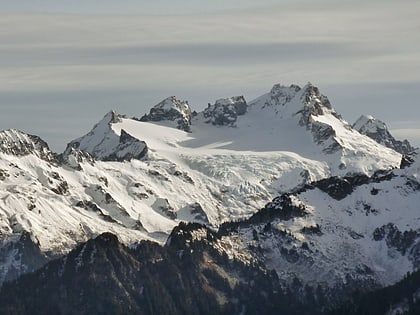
x,y
378,131
225,112
171,109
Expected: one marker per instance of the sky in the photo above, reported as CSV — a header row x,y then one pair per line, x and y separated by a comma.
x,y
65,64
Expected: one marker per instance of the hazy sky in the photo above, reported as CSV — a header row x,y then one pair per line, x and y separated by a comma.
x,y
64,64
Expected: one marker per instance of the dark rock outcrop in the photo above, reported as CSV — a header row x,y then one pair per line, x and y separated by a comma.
x,y
171,109
401,241
280,95
225,111
325,134
315,104
128,148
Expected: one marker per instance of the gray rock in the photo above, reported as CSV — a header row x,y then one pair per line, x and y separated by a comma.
x,y
325,134
129,148
171,109
316,104
226,111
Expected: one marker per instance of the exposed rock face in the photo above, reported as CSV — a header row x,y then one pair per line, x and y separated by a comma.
x,y
281,95
282,207
199,213
378,131
315,104
18,143
103,143
325,134
226,111
408,159
128,148
340,187
171,109
394,238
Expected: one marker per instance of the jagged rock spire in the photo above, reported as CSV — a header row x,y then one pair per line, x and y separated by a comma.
x,y
171,109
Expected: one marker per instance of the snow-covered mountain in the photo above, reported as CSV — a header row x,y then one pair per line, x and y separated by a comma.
x,y
138,178
378,131
105,145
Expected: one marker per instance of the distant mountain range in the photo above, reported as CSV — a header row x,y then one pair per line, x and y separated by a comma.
x,y
277,203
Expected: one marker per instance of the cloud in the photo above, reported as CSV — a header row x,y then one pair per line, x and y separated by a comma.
x,y
157,7
321,44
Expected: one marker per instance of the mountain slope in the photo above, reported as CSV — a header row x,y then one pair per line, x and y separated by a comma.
x,y
197,271
186,277
402,298
344,232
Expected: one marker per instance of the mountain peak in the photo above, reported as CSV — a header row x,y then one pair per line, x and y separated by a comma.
x,y
104,143
112,117
173,110
107,239
292,100
364,122
279,95
225,111
18,143
315,103
378,131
